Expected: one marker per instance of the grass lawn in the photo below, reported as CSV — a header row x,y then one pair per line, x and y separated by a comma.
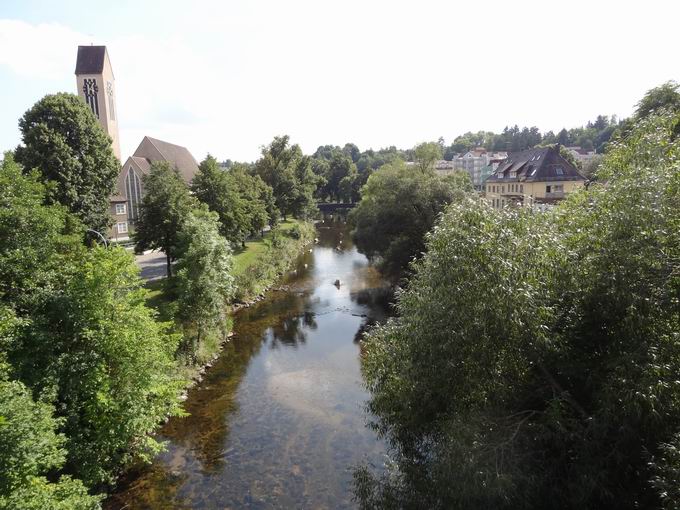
x,y
245,257
159,300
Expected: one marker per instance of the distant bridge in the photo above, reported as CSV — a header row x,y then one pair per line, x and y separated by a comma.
x,y
330,207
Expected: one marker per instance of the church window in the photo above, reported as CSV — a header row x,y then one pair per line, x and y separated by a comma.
x,y
109,93
90,90
133,189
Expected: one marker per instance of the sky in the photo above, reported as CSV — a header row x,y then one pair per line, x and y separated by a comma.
x,y
225,77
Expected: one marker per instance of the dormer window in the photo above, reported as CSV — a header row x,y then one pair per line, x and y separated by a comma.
x,y
559,171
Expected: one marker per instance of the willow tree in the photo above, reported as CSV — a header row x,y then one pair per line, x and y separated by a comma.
x,y
535,359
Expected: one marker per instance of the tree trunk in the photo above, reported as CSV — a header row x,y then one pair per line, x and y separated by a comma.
x,y
169,264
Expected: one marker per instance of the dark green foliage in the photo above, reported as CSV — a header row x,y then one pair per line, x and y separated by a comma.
x,y
84,340
214,187
290,175
98,351
664,97
165,206
30,448
64,142
535,360
36,240
203,284
595,135
399,205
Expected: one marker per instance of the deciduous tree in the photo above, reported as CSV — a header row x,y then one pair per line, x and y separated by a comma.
x,y
64,142
398,207
164,208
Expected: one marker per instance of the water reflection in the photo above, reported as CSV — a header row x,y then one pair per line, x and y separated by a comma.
x,y
278,421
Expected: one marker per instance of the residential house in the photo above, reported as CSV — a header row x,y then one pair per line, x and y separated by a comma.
x,y
582,155
474,161
536,178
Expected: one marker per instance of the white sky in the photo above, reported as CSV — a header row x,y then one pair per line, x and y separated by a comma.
x,y
225,77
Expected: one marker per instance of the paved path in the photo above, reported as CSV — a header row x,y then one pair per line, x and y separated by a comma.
x,y
152,265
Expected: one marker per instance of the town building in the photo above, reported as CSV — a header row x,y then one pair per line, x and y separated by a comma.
x,y
130,184
474,161
536,178
96,86
583,156
95,81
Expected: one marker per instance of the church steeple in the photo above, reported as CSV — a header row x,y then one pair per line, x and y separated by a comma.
x,y
96,85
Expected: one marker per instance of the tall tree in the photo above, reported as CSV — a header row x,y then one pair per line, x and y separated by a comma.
x,y
204,284
36,240
397,208
289,173
63,140
666,96
426,155
164,208
215,188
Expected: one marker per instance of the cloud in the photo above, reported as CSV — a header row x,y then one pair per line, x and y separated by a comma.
x,y
42,51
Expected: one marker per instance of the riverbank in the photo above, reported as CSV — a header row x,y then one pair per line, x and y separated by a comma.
x,y
278,421
264,260
256,268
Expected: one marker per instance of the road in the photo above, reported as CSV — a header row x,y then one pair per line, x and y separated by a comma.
x,y
152,265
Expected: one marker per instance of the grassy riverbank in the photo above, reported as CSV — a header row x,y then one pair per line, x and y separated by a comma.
x,y
256,267
263,261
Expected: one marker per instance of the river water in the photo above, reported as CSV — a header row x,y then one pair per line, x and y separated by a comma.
x,y
278,421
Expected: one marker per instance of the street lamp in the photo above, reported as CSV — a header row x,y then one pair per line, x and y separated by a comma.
x,y
106,245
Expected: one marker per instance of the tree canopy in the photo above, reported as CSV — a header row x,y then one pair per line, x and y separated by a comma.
x,y
398,207
204,284
534,360
164,208
64,142
289,173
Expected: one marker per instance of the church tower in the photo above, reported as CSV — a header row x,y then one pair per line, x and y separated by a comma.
x,y
94,78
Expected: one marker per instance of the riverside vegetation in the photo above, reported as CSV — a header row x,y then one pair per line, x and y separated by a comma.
x,y
81,352
533,361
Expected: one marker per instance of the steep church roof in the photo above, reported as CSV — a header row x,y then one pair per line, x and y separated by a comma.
x,y
90,59
536,165
152,149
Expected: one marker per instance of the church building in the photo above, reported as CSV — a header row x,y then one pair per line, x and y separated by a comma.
x,y
96,86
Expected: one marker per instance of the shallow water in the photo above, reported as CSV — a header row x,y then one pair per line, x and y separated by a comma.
x,y
278,421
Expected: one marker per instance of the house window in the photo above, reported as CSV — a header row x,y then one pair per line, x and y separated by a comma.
x,y
502,189
90,90
558,188
559,171
521,188
547,189
122,227
513,175
120,209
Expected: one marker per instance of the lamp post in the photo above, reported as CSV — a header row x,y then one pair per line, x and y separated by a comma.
x,y
106,245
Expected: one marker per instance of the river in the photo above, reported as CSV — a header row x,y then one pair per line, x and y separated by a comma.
x,y
279,420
